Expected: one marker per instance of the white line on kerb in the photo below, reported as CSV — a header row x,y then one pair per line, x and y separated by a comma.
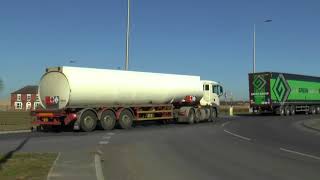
x,y
301,154
242,137
225,123
104,142
98,167
53,165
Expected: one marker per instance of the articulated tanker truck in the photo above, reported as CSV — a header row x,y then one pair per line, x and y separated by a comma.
x,y
283,93
84,98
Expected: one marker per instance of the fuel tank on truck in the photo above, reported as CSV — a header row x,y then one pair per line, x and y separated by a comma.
x,y
62,87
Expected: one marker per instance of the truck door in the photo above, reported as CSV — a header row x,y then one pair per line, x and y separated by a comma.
x,y
207,92
217,91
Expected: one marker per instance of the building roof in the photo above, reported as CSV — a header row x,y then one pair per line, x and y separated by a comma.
x,y
27,90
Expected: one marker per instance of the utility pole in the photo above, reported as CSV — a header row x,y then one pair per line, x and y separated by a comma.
x,y
254,48
127,38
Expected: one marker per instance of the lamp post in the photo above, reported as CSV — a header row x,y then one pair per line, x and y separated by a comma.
x,y
254,44
127,38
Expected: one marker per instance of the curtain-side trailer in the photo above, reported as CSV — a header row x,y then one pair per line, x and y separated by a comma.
x,y
283,93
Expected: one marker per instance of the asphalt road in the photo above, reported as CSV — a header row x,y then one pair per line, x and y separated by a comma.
x,y
247,147
263,147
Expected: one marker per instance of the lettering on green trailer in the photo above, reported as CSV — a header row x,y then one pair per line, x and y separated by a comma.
x,y
259,89
294,90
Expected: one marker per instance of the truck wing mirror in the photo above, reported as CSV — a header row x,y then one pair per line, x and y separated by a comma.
x,y
220,93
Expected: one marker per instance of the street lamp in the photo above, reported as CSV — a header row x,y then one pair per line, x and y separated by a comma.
x,y
127,38
254,44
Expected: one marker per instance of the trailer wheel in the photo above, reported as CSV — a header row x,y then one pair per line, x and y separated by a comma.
x,y
88,121
292,110
191,116
287,110
108,120
126,119
313,110
281,111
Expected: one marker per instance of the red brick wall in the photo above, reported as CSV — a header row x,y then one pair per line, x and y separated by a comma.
x,y
23,100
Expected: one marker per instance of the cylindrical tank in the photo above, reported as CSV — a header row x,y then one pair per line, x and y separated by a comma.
x,y
79,87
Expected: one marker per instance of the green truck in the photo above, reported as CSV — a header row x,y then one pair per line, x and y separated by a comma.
x,y
284,94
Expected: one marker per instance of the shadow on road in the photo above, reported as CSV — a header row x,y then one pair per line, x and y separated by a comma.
x,y
9,154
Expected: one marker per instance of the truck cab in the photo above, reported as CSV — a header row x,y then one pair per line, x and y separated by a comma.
x,y
211,93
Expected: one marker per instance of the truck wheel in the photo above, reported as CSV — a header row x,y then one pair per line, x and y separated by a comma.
x,y
292,110
213,114
88,121
191,116
198,116
108,120
313,110
126,119
281,111
287,110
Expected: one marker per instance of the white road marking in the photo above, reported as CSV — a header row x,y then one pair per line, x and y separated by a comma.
x,y
224,124
106,137
110,133
53,165
98,167
242,137
104,142
301,154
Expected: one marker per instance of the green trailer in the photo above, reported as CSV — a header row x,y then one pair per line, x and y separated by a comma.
x,y
284,94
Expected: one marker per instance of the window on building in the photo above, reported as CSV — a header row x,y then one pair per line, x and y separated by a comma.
x,y
18,97
18,105
35,105
28,97
28,105
37,97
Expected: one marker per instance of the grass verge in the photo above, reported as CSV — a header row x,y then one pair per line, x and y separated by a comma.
x,y
224,110
10,121
26,166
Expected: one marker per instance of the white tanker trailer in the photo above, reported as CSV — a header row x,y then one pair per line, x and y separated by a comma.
x,y
85,97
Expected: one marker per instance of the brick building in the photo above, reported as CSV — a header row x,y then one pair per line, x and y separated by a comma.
x,y
25,98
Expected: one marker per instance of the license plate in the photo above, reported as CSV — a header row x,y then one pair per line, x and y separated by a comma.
x,y
45,119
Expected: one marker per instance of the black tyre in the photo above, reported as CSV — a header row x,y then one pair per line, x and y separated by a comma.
x,y
191,116
213,114
198,116
287,111
108,120
281,111
292,110
88,121
313,110
126,119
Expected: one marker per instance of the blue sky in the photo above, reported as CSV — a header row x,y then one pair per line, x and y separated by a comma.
x,y
210,38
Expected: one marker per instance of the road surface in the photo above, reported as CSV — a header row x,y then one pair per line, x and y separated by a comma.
x,y
246,147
